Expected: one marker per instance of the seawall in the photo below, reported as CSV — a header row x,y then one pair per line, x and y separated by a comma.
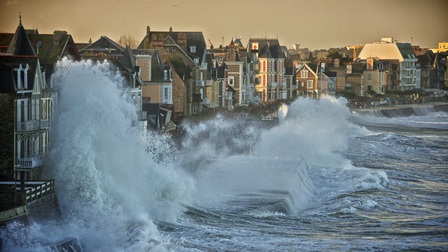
x,y
404,110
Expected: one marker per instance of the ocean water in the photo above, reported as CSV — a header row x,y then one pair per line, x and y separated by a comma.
x,y
324,179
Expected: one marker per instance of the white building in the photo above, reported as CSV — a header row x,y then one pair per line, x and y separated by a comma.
x,y
407,72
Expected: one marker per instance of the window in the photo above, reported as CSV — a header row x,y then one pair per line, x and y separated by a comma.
x,y
231,80
304,74
310,84
193,49
167,95
369,76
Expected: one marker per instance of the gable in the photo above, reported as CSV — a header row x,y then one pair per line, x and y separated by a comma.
x,y
104,44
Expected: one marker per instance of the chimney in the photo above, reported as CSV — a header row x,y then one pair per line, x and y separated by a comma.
x,y
182,40
57,36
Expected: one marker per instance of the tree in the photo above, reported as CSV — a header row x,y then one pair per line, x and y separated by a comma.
x,y
127,39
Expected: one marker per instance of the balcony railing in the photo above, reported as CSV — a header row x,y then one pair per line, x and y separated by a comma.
x,y
38,189
30,162
28,125
44,123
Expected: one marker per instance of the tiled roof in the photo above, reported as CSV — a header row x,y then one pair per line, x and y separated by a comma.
x,y
51,49
268,48
104,44
5,40
192,39
387,51
20,44
330,74
48,51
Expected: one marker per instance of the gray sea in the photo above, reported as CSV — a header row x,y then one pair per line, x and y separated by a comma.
x,y
325,179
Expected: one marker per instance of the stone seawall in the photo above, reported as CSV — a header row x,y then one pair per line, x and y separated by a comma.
x,y
404,110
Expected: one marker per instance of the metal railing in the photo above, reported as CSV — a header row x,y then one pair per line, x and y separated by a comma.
x,y
39,189
44,123
30,162
28,125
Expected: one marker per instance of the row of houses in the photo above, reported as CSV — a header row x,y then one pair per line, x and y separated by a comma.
x,y
173,75
377,68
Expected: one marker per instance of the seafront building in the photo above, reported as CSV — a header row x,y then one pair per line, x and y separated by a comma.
x,y
270,83
28,103
405,74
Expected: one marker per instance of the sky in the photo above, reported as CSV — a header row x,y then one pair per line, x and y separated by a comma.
x,y
314,24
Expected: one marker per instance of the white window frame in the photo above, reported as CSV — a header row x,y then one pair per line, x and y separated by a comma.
x,y
304,74
310,83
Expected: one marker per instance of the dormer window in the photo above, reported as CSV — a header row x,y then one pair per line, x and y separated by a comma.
x,y
193,49
196,60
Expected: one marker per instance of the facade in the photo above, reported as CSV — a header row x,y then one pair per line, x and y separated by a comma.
x,y
375,76
328,83
186,51
401,54
269,60
29,104
306,81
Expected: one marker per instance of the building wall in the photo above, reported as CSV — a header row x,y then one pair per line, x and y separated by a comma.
x,y
7,121
304,90
355,81
179,95
151,91
372,78
7,195
340,77
144,62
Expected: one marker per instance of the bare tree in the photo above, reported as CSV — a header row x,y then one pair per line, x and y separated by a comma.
x,y
127,39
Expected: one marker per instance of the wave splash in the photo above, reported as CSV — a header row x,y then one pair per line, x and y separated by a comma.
x,y
111,182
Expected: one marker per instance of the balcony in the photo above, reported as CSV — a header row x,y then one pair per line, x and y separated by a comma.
x,y
44,124
28,125
273,85
30,162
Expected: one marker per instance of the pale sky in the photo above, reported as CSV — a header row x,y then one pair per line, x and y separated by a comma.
x,y
314,24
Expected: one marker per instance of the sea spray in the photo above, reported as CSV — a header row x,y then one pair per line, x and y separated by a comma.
x,y
313,129
112,182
